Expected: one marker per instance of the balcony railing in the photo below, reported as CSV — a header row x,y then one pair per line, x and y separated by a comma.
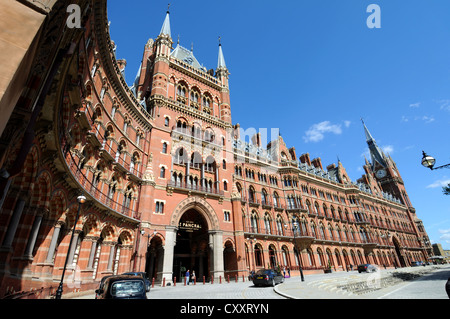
x,y
89,187
195,188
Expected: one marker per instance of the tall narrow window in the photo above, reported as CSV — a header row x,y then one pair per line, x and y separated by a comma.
x,y
162,173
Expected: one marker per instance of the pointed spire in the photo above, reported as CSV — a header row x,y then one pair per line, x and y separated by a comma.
x,y
366,131
375,152
165,30
221,60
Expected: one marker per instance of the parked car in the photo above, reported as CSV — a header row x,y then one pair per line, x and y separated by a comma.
x,y
417,263
267,277
122,287
140,274
366,268
100,286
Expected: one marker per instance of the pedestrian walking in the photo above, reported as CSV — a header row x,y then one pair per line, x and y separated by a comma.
x,y
186,277
284,272
193,276
289,272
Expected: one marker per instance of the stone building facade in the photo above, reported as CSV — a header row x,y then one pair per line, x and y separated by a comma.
x,y
171,184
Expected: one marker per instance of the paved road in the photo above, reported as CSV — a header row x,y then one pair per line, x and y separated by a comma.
x,y
232,290
426,287
430,285
319,286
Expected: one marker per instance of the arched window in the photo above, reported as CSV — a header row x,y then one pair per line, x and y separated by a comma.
x,y
254,222
311,258
308,205
162,172
321,257
276,200
112,187
267,222
258,256
280,225
264,199
164,148
128,197
251,195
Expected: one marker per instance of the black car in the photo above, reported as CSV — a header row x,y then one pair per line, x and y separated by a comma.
x,y
122,287
100,286
267,277
417,263
366,268
140,274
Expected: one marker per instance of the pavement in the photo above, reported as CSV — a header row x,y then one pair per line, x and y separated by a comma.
x,y
335,285
354,285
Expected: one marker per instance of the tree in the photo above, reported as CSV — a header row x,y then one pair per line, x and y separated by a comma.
x,y
446,189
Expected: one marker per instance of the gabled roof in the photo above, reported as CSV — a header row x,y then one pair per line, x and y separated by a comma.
x,y
187,56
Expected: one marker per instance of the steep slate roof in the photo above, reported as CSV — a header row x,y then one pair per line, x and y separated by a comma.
x,y
186,56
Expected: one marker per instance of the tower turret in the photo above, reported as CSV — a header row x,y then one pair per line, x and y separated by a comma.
x,y
162,48
222,74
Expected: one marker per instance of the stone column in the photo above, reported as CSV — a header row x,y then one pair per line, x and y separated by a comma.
x,y
14,222
167,270
51,249
216,243
186,178
73,247
202,175
111,257
33,235
93,251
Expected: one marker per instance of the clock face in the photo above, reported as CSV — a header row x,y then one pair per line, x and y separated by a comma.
x,y
381,173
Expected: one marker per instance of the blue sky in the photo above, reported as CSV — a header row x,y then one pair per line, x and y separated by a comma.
x,y
313,69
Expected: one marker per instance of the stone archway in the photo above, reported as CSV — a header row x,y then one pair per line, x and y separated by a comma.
x,y
191,251
193,237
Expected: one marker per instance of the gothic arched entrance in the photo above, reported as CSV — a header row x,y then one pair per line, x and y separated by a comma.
x,y
155,254
191,251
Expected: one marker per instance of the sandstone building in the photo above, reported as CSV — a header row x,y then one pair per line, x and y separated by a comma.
x,y
171,183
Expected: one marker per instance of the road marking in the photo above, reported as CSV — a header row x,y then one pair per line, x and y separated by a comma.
x,y
389,293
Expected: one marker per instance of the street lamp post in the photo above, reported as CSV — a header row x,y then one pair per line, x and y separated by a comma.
x,y
81,200
295,226
429,161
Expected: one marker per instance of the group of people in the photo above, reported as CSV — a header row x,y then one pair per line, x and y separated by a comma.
x,y
188,277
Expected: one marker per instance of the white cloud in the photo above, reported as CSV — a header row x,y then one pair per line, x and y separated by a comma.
x,y
428,119
444,104
347,123
388,149
316,132
439,183
445,235
415,105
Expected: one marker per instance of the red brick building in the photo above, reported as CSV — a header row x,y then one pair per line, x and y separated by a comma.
x,y
171,184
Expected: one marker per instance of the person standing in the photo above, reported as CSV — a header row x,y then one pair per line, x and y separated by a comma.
x,y
186,277
193,276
